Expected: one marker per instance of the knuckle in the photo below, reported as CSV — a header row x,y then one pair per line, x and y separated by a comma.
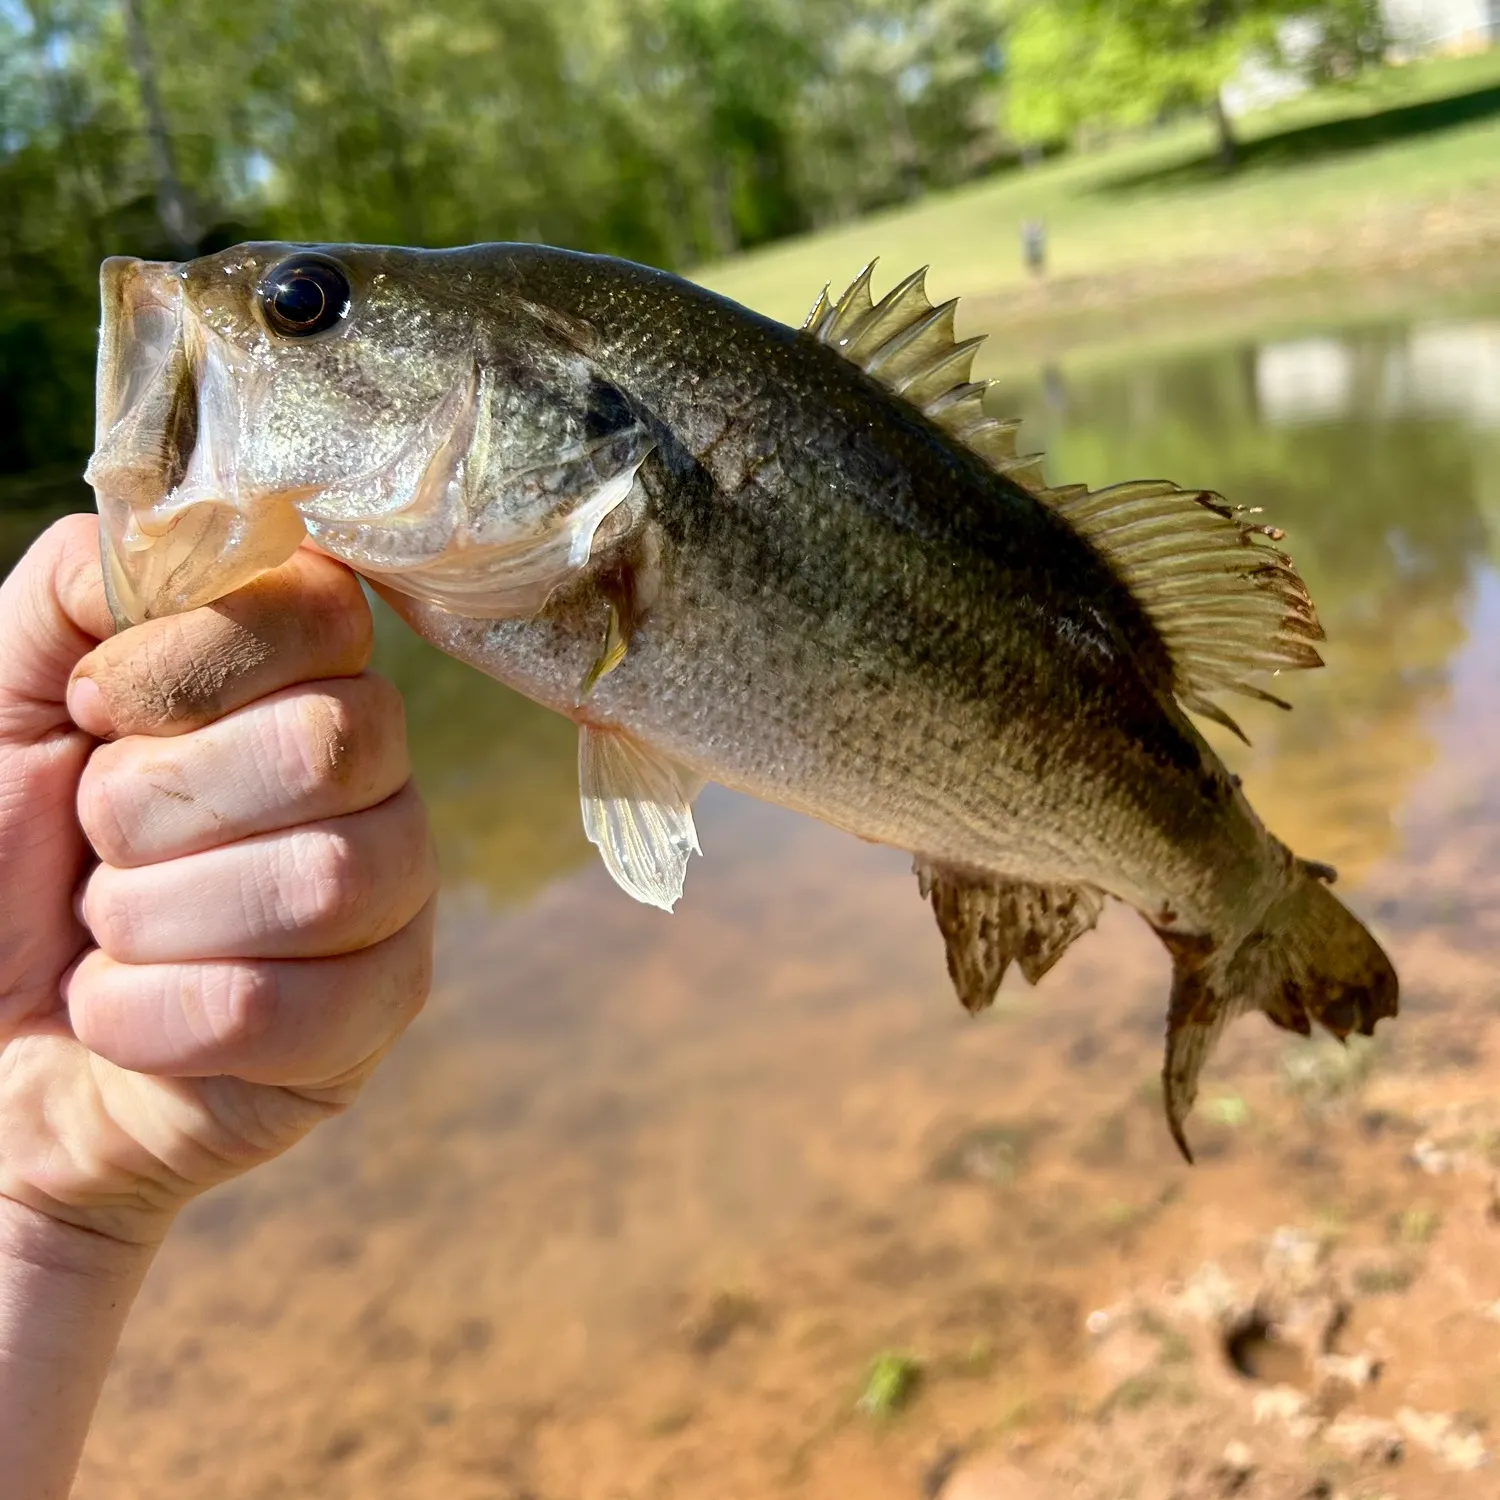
x,y
110,916
108,808
386,708
168,685
236,1005
336,622
322,740
153,679
331,878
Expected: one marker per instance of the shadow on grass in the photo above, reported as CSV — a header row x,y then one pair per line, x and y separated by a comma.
x,y
1309,143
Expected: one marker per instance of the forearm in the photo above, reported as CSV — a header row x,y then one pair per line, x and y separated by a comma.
x,y
64,1297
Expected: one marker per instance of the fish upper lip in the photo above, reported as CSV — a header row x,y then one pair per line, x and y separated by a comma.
x,y
141,332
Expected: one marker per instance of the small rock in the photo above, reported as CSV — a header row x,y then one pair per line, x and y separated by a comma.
x,y
1431,1158
940,1470
1233,1472
1358,1370
991,1479
1237,1456
1366,1438
1284,1403
1339,1380
1450,1442
1208,1295
1294,1255
1101,1321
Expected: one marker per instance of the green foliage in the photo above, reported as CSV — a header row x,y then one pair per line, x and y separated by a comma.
x,y
892,1381
670,131
1078,63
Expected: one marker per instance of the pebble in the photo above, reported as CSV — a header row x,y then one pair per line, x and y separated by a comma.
x,y
1357,1370
1366,1438
1284,1403
991,1479
1448,1441
1431,1157
1294,1254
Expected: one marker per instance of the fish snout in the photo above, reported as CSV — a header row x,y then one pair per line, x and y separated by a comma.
x,y
174,532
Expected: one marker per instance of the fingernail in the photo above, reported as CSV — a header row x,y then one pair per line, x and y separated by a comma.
x,y
86,706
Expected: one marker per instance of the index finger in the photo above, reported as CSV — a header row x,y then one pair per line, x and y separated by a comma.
x,y
302,622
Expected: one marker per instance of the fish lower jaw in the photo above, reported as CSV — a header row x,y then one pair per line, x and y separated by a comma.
x,y
165,559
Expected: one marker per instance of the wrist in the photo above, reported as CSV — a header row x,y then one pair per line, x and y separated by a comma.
x,y
34,1245
64,1296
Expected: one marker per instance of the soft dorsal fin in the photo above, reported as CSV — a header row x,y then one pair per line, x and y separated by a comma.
x,y
1225,600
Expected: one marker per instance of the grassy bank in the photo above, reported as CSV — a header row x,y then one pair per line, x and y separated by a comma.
x,y
1349,189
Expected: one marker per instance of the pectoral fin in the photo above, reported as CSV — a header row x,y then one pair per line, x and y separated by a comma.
x,y
637,812
619,589
988,922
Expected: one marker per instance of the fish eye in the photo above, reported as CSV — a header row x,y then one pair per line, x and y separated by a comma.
x,y
304,295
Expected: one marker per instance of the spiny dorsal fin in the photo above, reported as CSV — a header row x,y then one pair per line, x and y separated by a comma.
x,y
1225,600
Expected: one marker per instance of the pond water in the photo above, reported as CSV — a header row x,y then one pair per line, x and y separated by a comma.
x,y
641,1198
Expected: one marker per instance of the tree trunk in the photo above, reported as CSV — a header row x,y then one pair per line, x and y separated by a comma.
x,y
172,204
392,134
1229,149
79,183
722,229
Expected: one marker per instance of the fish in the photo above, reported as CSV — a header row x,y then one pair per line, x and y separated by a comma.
x,y
809,564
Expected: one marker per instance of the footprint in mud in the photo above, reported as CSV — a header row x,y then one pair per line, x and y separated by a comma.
x,y
1253,1349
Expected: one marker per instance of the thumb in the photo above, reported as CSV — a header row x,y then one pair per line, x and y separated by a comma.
x,y
52,613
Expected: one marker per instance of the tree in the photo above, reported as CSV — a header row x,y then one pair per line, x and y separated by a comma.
x,y
670,131
1071,63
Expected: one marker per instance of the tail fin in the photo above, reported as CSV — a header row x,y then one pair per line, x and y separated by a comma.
x,y
1309,960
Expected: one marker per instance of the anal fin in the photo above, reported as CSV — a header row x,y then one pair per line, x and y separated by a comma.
x,y
988,922
637,812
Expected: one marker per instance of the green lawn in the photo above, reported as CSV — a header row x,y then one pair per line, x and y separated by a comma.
x,y
1364,164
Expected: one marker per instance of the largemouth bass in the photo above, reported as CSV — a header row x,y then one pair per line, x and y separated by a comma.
x,y
808,564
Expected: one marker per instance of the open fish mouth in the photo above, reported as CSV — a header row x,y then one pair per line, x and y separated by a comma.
x,y
176,529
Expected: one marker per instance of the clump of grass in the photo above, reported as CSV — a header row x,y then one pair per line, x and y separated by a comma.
x,y
671,1421
1383,1280
1135,1393
1323,1074
978,1360
1228,1109
891,1383
728,1311
1417,1226
993,1153
1149,1092
1172,1347
1120,1213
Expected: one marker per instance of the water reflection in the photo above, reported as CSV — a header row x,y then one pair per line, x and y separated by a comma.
x,y
499,774
1436,370
635,1205
1384,504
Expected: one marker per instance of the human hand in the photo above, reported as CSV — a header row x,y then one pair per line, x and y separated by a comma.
x,y
258,929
